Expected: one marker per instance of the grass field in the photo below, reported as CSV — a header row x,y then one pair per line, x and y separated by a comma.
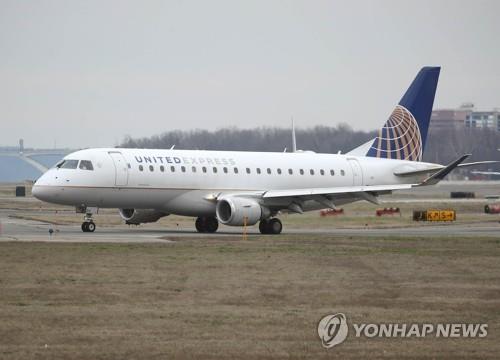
x,y
260,298
254,299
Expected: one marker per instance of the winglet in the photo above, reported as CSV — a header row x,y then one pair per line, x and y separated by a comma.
x,y
438,176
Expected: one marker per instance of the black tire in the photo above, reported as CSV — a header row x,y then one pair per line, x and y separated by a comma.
x,y
264,227
84,227
91,226
200,225
275,226
211,225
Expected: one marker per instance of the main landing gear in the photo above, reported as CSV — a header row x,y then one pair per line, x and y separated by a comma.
x,y
270,226
206,224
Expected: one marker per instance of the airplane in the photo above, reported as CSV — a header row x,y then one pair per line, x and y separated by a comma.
x,y
240,188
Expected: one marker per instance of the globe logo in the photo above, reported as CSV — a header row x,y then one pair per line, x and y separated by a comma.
x,y
400,137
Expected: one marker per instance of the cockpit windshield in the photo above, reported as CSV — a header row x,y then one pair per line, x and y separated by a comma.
x,y
68,164
86,165
73,164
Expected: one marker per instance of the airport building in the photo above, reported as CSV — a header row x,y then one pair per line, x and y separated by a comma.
x,y
483,120
448,119
464,117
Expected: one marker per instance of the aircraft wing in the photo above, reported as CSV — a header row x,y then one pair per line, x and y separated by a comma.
x,y
329,196
335,190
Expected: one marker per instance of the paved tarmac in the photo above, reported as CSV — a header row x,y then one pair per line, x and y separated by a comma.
x,y
13,229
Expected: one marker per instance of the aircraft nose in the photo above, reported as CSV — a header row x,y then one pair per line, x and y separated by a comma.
x,y
40,190
37,191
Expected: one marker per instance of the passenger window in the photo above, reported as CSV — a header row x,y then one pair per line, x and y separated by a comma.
x,y
86,165
279,171
268,170
311,172
258,170
214,170
248,170
322,172
193,169
332,173
235,170
301,171
151,168
172,168
290,171
69,164
162,168
342,172
225,170
183,168
141,168
204,169
128,165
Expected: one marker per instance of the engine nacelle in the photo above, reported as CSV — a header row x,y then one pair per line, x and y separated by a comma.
x,y
136,217
233,211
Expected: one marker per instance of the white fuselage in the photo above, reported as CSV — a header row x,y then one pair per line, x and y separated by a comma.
x,y
184,181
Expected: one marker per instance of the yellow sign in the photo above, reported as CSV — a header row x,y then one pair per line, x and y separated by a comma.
x,y
441,215
447,215
433,215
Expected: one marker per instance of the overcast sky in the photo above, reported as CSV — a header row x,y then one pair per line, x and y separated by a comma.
x,y
87,73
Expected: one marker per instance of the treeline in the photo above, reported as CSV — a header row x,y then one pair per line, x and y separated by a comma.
x,y
320,139
442,147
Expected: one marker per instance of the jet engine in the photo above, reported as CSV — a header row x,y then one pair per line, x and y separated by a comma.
x,y
136,217
236,211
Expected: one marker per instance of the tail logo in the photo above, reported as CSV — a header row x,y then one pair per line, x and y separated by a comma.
x,y
400,137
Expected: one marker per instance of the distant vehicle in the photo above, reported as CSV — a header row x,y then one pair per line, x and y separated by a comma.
x,y
243,188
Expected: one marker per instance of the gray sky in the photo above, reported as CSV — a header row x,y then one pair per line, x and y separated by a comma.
x,y
87,73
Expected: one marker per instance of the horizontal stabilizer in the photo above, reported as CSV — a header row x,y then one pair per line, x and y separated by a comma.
x,y
441,174
430,170
485,172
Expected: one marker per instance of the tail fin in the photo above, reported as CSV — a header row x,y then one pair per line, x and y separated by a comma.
x,y
404,134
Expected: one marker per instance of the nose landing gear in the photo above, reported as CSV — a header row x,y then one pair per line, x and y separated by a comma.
x,y
88,224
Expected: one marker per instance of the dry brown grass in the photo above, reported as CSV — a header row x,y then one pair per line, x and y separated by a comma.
x,y
255,299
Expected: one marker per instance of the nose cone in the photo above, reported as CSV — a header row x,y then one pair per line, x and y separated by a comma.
x,y
41,189
35,190
38,192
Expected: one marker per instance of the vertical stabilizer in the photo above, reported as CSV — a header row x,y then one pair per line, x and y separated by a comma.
x,y
404,134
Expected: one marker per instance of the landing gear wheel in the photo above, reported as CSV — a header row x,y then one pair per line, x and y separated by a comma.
x,y
206,224
263,226
90,227
270,226
275,226
212,225
199,224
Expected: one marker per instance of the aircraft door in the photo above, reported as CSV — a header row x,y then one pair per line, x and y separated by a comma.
x,y
357,172
121,168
